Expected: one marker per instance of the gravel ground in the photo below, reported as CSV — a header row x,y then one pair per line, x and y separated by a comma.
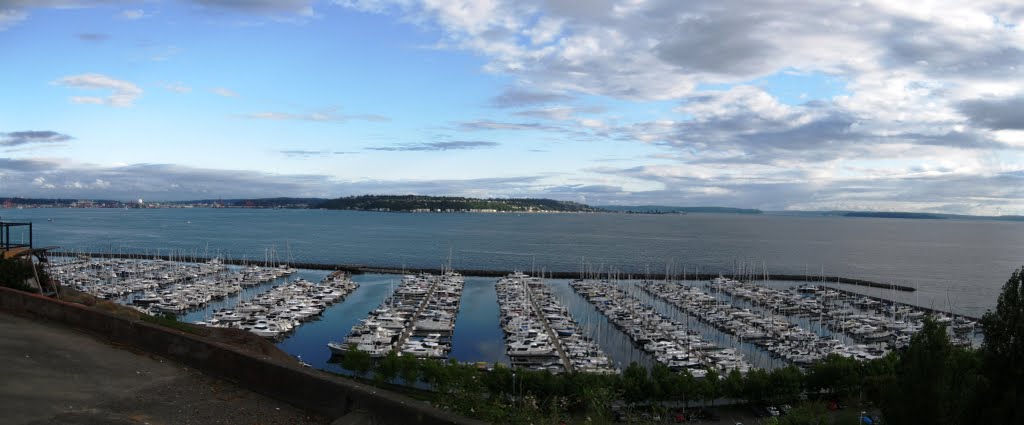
x,y
53,374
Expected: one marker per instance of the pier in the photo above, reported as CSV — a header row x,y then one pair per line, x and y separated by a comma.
x,y
176,288
670,343
547,326
403,316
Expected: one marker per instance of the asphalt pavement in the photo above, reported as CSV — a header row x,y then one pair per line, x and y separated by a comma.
x,y
51,374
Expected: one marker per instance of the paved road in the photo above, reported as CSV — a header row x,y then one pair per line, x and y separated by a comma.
x,y
53,374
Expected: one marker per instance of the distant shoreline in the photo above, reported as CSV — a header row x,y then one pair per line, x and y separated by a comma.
x,y
454,205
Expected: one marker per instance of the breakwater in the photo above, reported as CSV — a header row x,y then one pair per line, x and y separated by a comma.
x,y
930,310
362,269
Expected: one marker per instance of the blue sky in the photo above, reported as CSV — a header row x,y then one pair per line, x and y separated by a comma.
x,y
883,106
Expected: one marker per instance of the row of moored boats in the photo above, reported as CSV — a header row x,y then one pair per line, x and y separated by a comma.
x,y
279,310
539,331
671,343
418,319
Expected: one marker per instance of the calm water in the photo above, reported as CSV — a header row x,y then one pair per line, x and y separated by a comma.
x,y
953,263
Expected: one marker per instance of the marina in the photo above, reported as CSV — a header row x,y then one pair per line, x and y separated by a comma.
x,y
722,324
418,319
540,333
278,311
122,277
673,344
179,288
765,328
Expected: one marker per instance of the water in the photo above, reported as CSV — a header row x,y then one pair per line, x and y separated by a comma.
x,y
955,264
478,336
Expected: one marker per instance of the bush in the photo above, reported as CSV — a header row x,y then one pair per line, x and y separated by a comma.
x,y
15,271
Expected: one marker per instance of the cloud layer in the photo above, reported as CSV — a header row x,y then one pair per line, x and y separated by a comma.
x,y
19,138
875,104
123,93
436,146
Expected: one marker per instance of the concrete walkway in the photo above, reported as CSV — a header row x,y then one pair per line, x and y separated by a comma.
x,y
53,374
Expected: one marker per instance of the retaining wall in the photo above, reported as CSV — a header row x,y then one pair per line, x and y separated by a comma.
x,y
315,391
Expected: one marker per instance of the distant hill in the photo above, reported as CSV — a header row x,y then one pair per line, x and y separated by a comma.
x,y
55,202
663,209
918,216
416,203
281,202
898,214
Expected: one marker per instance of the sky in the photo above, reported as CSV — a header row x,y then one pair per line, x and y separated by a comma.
x,y
793,105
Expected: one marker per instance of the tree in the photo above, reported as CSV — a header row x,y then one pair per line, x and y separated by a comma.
x,y
810,413
784,384
661,377
1002,356
685,386
755,386
499,380
710,387
879,374
356,360
635,384
836,375
14,272
387,368
732,386
934,380
409,369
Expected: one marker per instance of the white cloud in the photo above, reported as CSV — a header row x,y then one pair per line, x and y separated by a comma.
x,y
176,87
41,183
133,14
10,17
221,91
279,8
123,93
324,115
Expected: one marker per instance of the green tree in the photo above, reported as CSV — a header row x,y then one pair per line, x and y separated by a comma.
x,y
14,272
388,367
635,383
1002,356
710,388
409,369
878,375
784,384
810,413
499,380
357,361
663,382
934,380
755,386
732,386
598,402
685,387
835,375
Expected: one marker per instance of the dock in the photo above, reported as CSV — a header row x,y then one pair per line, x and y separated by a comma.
x,y
555,340
422,305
